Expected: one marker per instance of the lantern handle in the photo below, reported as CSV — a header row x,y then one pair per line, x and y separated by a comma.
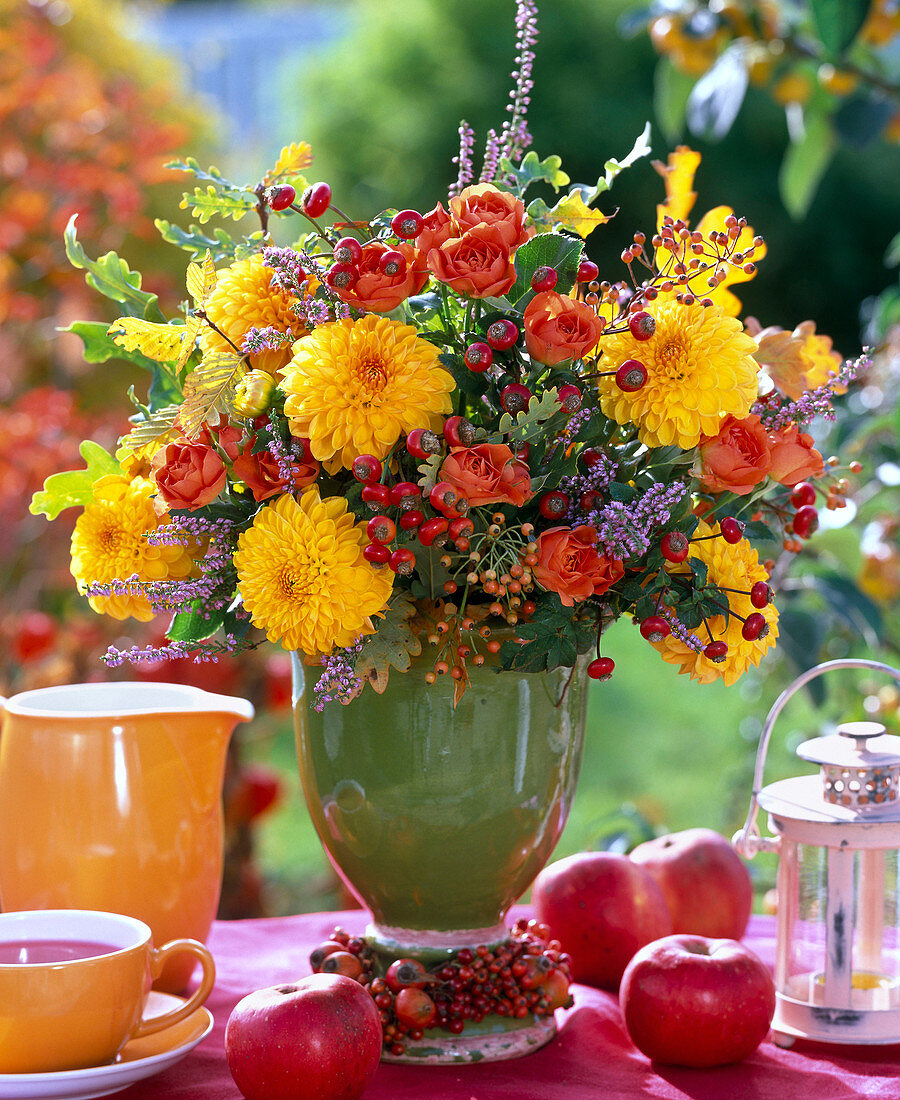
x,y
748,840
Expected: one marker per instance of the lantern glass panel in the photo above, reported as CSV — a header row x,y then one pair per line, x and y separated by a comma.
x,y
838,938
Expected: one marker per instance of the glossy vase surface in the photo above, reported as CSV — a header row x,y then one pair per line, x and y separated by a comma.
x,y
110,799
437,818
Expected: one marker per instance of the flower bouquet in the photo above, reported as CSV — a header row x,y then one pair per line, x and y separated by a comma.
x,y
448,439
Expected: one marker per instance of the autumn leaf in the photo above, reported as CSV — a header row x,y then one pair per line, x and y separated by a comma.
x,y
201,280
162,343
678,174
291,162
393,646
209,389
159,429
572,213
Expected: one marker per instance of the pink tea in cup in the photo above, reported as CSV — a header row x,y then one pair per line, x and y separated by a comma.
x,y
17,952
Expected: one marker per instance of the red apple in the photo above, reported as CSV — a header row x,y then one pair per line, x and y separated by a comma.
x,y
705,882
602,908
315,1039
695,1001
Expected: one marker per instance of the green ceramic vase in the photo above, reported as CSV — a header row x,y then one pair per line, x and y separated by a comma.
x,y
439,818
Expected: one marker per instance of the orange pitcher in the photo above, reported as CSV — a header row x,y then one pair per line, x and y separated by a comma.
x,y
110,798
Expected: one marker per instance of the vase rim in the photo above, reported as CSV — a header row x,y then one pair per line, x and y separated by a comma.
x,y
122,698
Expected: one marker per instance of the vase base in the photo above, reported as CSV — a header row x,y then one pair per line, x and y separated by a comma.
x,y
498,1045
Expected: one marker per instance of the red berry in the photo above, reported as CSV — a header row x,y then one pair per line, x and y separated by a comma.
x,y
376,495
803,494
760,594
376,554
348,250
591,458
631,376
406,974
402,561
460,528
421,443
601,668
502,334
367,468
411,519
392,263
342,277
732,529
590,500
642,324
654,628
281,196
806,520
544,278
674,546
569,397
520,448
479,357
716,652
459,432
381,529
554,504
514,398
316,200
587,272
434,531
414,1008
405,494
407,224
444,497
342,962
755,626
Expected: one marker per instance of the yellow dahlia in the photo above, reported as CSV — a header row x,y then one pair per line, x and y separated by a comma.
x,y
109,544
700,368
730,566
354,387
243,299
303,577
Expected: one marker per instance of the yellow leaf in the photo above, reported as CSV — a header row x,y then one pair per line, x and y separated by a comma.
x,y
153,433
209,390
291,161
192,327
163,343
573,213
201,280
679,178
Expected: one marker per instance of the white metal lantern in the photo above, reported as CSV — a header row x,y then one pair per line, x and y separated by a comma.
x,y
837,835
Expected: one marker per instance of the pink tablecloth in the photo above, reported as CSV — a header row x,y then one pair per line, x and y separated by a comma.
x,y
591,1058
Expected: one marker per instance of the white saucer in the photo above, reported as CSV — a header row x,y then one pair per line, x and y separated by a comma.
x,y
138,1059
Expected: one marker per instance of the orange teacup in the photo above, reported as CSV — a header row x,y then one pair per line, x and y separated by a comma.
x,y
73,983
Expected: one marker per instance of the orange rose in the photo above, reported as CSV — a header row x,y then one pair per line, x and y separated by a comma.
x,y
488,473
794,458
558,328
378,292
484,204
476,264
188,475
438,228
738,458
262,475
568,564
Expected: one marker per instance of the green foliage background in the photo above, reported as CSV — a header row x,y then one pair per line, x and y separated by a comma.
x,y
383,109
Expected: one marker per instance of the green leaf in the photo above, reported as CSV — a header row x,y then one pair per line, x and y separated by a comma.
x,y
99,346
193,240
393,645
204,204
74,488
838,21
671,90
112,277
851,605
525,425
804,164
613,167
553,638
556,250
211,174
716,98
801,635
861,119
195,625
532,170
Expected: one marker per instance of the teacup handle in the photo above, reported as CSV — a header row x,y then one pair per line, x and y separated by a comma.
x,y
158,957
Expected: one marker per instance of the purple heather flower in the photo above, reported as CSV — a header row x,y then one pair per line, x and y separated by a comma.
x,y
338,682
464,158
815,403
625,530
